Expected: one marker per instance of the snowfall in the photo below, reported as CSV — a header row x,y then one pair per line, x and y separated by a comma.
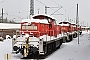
x,y
68,51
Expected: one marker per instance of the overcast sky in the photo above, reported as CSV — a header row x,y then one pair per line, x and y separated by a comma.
x,y
19,9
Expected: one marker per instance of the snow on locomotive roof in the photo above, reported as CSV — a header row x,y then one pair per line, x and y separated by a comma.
x,y
64,24
64,21
44,15
72,23
35,20
9,26
74,26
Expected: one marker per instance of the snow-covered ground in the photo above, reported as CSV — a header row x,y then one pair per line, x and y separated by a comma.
x,y
68,51
73,50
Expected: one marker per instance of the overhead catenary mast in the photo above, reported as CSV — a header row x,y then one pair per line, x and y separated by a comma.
x,y
2,15
77,22
31,8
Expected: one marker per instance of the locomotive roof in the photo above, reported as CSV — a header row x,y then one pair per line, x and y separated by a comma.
x,y
35,20
47,16
85,27
63,22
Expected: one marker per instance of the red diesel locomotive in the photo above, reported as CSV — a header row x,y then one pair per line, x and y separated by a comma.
x,y
42,35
